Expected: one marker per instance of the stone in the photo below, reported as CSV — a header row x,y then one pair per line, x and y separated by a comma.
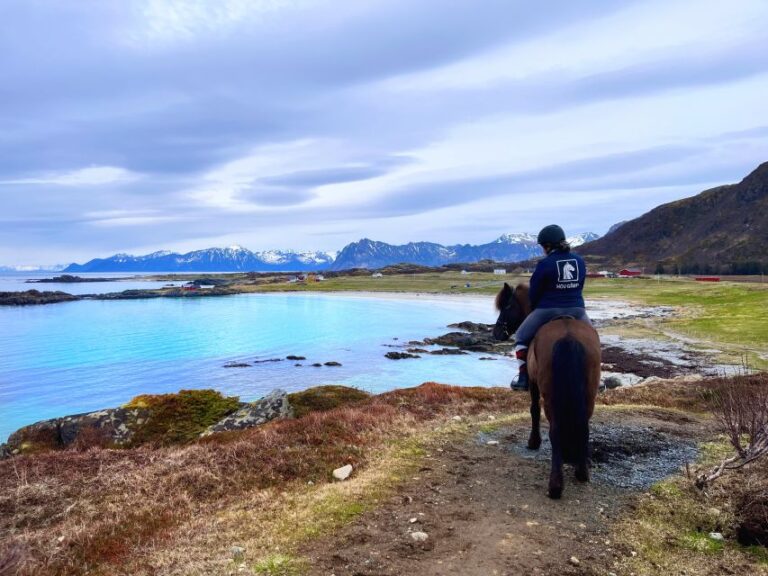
x,y
342,473
238,553
113,426
413,520
317,365
611,382
457,418
274,406
292,357
716,536
237,365
419,536
492,443
448,352
573,561
333,363
400,355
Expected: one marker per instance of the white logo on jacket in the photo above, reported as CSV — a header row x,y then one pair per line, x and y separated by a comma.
x,y
567,270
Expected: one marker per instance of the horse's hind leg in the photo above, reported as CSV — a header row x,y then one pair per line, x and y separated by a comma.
x,y
534,440
556,473
582,468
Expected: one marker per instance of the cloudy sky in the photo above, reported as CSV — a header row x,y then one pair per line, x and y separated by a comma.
x,y
139,125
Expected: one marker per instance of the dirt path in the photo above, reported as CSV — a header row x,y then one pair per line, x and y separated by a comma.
x,y
485,510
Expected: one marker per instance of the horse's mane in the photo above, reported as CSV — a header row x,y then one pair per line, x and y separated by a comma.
x,y
520,293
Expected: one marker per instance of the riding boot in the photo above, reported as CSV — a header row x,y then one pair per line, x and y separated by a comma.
x,y
521,383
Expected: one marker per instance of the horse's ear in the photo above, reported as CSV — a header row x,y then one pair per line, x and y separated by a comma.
x,y
502,298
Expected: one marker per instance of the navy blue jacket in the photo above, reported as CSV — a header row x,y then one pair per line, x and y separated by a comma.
x,y
558,281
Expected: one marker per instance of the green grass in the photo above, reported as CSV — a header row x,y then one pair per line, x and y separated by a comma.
x,y
322,398
700,542
760,553
724,313
433,283
280,565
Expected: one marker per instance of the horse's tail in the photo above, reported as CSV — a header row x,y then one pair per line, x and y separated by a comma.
x,y
569,398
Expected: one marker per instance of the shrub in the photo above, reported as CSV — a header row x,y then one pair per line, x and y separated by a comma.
x,y
181,417
322,398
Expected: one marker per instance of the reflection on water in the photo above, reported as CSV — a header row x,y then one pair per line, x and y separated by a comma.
x,y
80,356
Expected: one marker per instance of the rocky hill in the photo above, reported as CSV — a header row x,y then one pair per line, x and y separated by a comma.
x,y
721,230
232,259
362,254
507,248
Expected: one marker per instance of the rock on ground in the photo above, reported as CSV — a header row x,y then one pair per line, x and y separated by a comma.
x,y
113,426
273,406
343,472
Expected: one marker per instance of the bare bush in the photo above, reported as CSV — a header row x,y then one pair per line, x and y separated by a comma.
x,y
741,408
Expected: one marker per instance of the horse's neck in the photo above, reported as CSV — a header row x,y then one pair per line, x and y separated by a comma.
x,y
522,296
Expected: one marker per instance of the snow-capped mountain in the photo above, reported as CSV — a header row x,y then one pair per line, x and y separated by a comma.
x,y
231,259
371,254
506,248
582,238
32,268
362,254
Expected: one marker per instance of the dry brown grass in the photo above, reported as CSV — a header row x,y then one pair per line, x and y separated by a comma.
x,y
164,510
90,511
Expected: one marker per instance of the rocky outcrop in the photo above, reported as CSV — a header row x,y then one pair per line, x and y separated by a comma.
x,y
154,420
400,355
274,406
33,297
111,427
476,338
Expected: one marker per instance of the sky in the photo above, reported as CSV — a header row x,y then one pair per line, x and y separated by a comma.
x,y
142,125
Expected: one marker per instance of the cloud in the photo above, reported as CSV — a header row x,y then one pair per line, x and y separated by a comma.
x,y
91,176
165,123
336,174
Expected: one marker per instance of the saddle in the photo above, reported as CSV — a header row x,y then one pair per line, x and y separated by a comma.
x,y
562,317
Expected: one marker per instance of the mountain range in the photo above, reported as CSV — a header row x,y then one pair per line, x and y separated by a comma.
x,y
362,254
231,259
723,230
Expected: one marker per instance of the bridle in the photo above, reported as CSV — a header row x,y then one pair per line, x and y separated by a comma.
x,y
512,303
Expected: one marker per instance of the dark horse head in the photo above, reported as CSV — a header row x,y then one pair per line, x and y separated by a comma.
x,y
513,307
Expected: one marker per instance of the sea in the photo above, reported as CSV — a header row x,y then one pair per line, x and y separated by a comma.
x,y
75,357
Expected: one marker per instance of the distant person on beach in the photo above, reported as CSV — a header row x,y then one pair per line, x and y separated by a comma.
x,y
555,290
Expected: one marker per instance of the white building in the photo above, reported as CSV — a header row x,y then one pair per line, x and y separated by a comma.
x,y
377,275
499,271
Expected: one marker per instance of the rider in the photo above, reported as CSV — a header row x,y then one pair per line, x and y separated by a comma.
x,y
555,290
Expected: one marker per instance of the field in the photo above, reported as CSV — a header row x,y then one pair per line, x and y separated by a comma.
x,y
728,314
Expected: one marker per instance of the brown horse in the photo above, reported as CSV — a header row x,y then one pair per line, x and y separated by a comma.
x,y
564,370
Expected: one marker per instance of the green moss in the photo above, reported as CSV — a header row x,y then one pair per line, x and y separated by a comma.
x,y
758,552
179,418
322,398
699,542
666,489
280,565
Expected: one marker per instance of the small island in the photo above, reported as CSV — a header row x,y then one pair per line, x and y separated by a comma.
x,y
69,279
33,297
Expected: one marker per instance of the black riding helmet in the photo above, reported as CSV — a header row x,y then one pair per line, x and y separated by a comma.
x,y
552,235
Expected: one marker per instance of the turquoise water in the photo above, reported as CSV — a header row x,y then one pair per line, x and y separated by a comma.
x,y
76,357
17,282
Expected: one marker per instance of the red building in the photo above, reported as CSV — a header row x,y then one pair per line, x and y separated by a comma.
x,y
629,272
